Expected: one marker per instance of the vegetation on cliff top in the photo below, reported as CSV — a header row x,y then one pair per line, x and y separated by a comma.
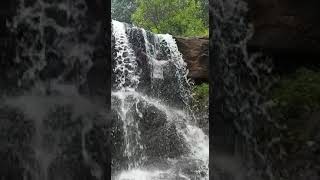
x,y
122,10
179,18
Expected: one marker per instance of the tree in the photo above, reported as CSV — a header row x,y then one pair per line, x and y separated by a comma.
x,y
176,17
205,11
122,10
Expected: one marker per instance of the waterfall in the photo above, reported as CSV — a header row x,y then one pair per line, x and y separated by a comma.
x,y
238,102
53,129
56,128
151,97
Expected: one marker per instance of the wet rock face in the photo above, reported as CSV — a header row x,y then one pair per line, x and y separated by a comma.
x,y
138,44
159,136
61,144
285,26
48,33
286,30
117,145
150,96
58,15
160,87
273,35
15,136
98,8
195,52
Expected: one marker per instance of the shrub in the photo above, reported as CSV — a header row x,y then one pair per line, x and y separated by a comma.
x,y
298,93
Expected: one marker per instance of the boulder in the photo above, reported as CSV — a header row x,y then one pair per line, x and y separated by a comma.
x,y
195,52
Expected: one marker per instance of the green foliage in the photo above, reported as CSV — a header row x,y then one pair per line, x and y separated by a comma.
x,y
296,113
201,92
122,10
200,105
299,93
205,11
176,17
297,101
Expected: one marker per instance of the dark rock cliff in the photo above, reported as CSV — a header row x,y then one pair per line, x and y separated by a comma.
x,y
196,54
285,26
287,31
19,132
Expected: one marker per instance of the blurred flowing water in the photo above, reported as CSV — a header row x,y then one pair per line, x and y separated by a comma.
x,y
238,101
51,129
156,135
55,126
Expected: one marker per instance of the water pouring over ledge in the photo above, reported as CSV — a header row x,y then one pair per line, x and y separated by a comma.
x,y
51,121
151,99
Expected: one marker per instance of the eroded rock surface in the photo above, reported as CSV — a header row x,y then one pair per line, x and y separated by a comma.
x,y
195,52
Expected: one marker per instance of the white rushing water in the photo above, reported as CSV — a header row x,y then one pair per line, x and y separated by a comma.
x,y
133,104
52,42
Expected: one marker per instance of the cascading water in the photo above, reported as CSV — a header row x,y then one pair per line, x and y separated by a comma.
x,y
49,121
238,103
151,97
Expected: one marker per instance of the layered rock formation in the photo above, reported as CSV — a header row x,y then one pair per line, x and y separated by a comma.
x,y
196,54
288,31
